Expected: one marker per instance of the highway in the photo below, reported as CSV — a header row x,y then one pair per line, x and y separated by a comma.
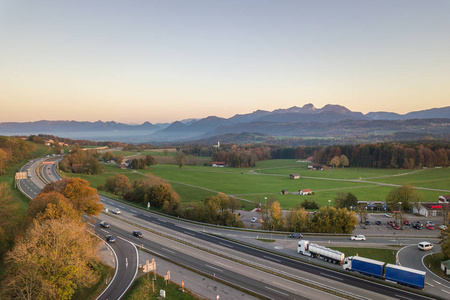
x,y
295,270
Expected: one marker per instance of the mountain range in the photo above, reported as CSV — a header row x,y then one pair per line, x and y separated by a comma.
x,y
305,121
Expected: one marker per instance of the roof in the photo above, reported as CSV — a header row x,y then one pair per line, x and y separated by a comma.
x,y
433,205
306,190
446,263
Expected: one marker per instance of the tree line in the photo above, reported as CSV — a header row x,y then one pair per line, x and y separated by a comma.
x,y
12,151
82,162
51,254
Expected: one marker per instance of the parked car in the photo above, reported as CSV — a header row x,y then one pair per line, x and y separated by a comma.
x,y
104,224
430,227
378,222
390,223
406,222
258,209
388,215
395,226
430,223
116,211
296,235
417,225
137,233
367,222
110,239
443,227
358,237
254,219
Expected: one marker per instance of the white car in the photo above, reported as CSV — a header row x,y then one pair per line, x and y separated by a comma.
x,y
254,219
443,227
116,211
358,237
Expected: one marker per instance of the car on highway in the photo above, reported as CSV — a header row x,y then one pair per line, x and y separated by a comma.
x,y
137,233
358,237
296,235
378,222
104,224
430,227
253,220
406,222
116,211
443,227
110,239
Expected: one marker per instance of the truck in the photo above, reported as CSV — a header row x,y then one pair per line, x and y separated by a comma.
x,y
390,272
306,248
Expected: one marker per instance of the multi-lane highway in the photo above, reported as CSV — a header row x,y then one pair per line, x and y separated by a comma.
x,y
190,246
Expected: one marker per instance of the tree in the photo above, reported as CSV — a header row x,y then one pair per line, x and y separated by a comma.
x,y
150,160
53,258
445,242
276,216
335,161
119,159
81,195
118,184
297,220
347,200
343,161
235,204
179,158
406,195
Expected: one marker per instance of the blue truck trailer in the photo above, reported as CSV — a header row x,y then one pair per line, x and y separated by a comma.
x,y
364,265
398,274
406,276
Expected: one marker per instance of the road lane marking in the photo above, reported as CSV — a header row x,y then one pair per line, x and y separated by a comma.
x,y
126,262
402,297
104,230
225,265
437,281
214,268
445,291
189,233
225,245
274,259
168,250
233,235
334,277
276,291
133,210
283,286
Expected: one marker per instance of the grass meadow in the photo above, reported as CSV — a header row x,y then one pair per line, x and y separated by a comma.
x,y
268,178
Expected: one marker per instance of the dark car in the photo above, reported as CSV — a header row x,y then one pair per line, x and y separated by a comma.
x,y
110,239
296,235
104,224
418,225
367,222
137,233
378,222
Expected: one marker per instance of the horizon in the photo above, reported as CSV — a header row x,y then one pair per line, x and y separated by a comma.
x,y
161,62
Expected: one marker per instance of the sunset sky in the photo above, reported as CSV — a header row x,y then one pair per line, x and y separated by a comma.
x,y
162,61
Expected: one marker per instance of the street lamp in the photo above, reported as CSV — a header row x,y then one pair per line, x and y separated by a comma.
x,y
329,202
400,213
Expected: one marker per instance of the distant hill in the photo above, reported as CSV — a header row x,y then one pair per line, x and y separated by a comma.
x,y
330,121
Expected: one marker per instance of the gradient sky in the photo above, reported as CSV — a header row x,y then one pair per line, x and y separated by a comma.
x,y
162,61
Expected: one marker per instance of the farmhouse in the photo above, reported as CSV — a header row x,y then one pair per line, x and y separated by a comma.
x,y
284,192
305,192
432,209
315,167
219,164
294,176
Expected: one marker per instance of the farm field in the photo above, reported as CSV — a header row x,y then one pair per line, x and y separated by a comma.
x,y
268,178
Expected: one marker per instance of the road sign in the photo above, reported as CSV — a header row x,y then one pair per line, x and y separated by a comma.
x,y
48,163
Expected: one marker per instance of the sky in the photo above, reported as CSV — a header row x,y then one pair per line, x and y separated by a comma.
x,y
162,61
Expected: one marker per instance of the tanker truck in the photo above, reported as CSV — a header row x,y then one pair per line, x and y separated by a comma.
x,y
313,250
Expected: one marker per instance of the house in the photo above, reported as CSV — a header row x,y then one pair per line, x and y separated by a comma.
x,y
294,176
305,192
219,164
444,199
315,167
431,209
445,267
284,192
372,205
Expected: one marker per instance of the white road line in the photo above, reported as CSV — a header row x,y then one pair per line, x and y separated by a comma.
x,y
126,262
401,297
189,233
277,260
276,291
225,245
286,287
104,230
437,281
133,210
168,250
233,235
445,291
334,277
214,268
225,265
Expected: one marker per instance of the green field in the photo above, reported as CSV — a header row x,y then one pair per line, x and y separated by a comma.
x,y
386,255
268,178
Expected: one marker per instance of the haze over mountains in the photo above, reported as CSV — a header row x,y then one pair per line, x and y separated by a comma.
x,y
305,121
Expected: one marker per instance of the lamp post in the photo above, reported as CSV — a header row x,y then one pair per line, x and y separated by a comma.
x,y
400,214
329,202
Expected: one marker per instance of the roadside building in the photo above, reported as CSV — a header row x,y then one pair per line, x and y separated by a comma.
x,y
219,164
315,167
372,205
305,192
284,192
444,199
445,267
294,176
432,209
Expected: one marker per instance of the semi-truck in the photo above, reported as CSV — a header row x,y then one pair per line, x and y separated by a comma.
x,y
313,250
398,274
